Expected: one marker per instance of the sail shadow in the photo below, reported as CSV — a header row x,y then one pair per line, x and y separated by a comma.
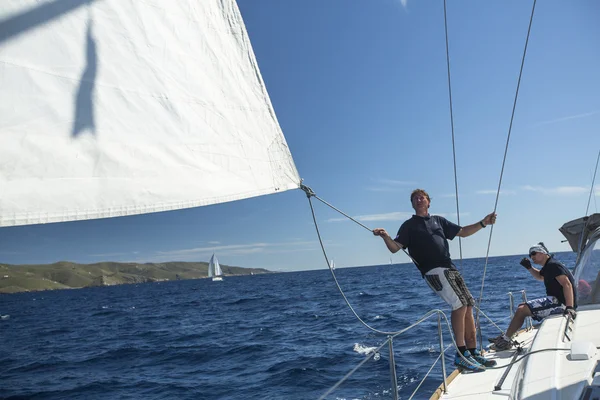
x,y
84,104
38,15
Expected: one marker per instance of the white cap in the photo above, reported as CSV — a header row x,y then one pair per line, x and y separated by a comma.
x,y
538,248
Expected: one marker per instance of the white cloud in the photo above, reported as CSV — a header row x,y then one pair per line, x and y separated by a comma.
x,y
394,182
383,189
552,121
234,249
404,3
214,242
506,192
104,255
389,185
558,191
393,216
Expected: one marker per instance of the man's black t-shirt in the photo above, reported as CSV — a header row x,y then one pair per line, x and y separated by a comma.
x,y
427,241
550,271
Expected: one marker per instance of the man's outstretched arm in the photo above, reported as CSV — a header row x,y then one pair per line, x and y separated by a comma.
x,y
392,245
468,230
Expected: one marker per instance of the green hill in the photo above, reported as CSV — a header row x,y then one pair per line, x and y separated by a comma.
x,y
68,275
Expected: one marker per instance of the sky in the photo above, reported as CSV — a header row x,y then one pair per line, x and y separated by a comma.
x,y
360,90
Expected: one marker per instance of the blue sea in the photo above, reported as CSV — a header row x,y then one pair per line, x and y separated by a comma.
x,y
276,336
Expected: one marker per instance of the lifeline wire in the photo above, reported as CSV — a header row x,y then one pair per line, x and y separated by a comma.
x,y
503,163
426,316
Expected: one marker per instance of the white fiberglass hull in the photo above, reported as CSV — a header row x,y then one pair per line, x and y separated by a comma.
x,y
549,372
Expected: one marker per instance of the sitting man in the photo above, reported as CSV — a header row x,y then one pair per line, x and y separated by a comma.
x,y
560,289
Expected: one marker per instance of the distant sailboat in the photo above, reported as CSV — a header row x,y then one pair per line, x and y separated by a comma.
x,y
391,261
214,269
332,264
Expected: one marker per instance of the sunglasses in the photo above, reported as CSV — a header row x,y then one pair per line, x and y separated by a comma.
x,y
533,253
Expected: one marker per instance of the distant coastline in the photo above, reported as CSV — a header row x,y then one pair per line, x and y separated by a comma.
x,y
68,275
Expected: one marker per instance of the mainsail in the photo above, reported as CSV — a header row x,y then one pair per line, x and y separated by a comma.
x,y
120,107
214,268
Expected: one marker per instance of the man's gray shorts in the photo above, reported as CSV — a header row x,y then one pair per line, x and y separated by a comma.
x,y
450,286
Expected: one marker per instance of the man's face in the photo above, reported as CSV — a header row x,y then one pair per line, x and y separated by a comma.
x,y
536,257
420,202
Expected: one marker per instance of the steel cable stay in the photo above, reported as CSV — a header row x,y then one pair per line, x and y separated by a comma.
x,y
477,322
587,209
452,128
502,172
311,194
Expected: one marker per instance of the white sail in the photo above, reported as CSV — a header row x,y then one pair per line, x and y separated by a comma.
x,y
211,267
218,271
214,269
121,107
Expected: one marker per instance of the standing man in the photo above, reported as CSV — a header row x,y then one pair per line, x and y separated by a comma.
x,y
560,290
426,237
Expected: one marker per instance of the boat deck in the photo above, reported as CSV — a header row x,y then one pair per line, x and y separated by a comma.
x,y
483,385
562,362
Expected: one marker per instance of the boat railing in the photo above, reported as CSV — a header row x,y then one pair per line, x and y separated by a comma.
x,y
528,321
389,342
511,304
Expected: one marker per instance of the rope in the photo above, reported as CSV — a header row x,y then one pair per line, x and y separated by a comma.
x,y
592,188
309,193
333,273
452,126
503,164
491,321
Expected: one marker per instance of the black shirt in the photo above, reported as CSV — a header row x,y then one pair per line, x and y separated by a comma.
x,y
427,241
550,271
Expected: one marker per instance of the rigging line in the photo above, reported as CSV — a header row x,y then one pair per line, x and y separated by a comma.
x,y
592,188
585,222
492,321
504,160
395,333
312,194
309,193
452,127
335,279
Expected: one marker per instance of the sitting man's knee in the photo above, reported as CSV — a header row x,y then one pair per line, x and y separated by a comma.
x,y
523,309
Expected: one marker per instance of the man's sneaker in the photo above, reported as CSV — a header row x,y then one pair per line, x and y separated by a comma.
x,y
502,343
472,365
493,339
482,360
